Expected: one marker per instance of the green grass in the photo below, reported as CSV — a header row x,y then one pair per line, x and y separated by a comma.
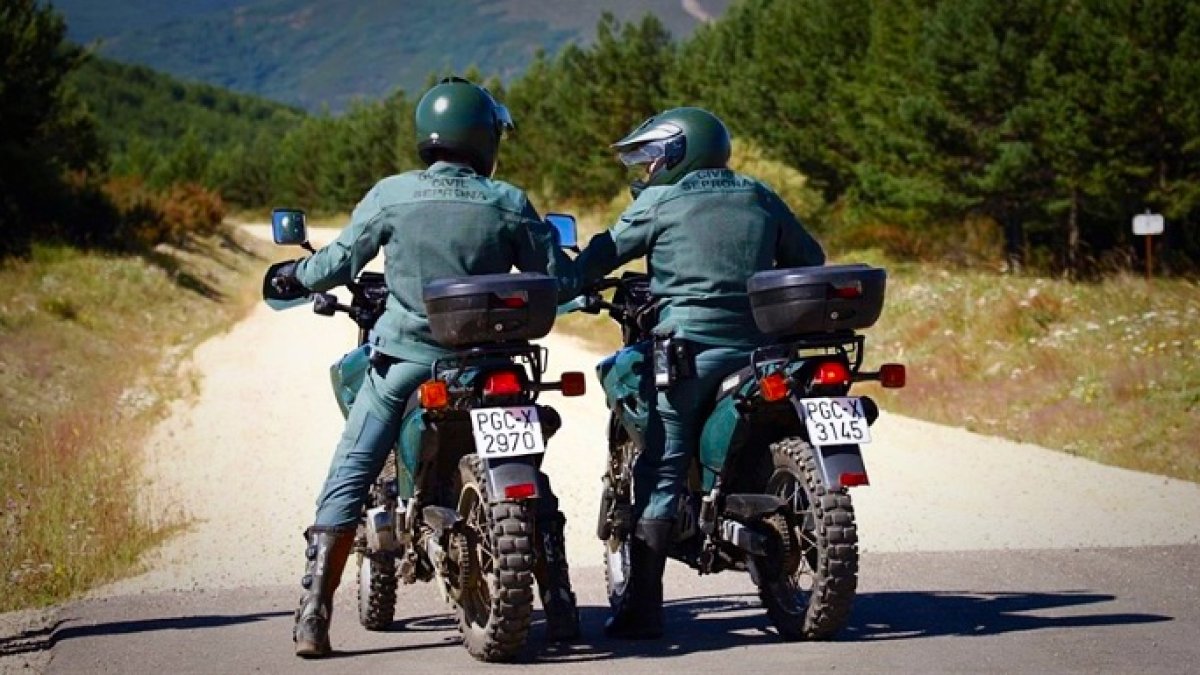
x,y
90,353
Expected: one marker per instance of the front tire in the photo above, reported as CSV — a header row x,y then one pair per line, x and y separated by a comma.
x,y
376,591
808,584
617,513
495,607
377,570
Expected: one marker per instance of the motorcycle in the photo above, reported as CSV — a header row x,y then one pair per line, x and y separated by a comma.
x,y
455,504
768,490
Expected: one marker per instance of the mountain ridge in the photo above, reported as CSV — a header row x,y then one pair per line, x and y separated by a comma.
x,y
326,54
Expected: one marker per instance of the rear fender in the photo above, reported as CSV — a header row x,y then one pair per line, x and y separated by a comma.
x,y
505,473
837,463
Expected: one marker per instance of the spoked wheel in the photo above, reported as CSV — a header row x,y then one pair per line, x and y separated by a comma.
x,y
617,517
492,569
807,582
376,570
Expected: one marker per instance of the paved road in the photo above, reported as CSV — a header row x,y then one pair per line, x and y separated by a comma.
x,y
978,553
1116,610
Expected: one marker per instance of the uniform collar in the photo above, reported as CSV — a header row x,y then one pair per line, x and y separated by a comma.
x,y
451,169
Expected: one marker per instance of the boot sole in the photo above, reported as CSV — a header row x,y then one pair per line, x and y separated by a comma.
x,y
310,650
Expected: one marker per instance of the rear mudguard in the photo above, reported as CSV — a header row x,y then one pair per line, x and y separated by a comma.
x,y
505,473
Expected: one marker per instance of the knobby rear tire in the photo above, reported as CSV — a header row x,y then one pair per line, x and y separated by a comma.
x,y
494,621
812,602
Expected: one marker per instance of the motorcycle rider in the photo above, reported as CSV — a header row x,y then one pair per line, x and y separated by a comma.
x,y
704,230
451,219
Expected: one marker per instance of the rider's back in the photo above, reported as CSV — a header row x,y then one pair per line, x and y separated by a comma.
x,y
709,233
444,221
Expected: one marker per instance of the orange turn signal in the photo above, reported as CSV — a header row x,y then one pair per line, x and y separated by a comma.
x,y
573,384
773,386
434,394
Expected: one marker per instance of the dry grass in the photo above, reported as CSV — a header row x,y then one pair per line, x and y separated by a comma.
x,y
1103,370
1108,370
90,349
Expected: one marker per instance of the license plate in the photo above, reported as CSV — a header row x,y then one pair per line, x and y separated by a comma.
x,y
507,432
835,421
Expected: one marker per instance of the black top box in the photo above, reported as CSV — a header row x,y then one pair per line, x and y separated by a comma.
x,y
806,300
466,311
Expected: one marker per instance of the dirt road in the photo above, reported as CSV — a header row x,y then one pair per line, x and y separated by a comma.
x,y
245,457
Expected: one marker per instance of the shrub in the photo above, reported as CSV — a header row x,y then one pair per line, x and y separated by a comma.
x,y
191,210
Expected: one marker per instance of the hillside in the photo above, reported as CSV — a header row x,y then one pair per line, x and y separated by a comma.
x,y
328,53
134,104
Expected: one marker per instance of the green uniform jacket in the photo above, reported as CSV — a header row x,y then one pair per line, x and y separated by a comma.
x,y
446,221
704,236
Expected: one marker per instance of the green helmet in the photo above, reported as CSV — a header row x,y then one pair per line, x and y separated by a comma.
x,y
674,143
462,119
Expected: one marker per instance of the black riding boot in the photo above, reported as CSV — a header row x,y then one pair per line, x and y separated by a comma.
x,y
328,549
638,614
554,580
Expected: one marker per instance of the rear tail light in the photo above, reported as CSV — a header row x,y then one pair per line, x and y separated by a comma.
x,y
853,479
573,384
512,301
892,375
502,383
434,394
848,292
773,386
520,491
831,373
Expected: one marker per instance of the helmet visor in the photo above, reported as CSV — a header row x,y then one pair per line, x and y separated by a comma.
x,y
504,120
645,153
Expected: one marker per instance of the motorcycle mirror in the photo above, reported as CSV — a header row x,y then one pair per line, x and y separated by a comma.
x,y
289,227
564,224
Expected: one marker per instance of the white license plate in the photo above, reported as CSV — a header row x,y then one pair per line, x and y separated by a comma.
x,y
507,432
835,421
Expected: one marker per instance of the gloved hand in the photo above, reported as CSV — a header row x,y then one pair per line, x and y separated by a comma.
x,y
280,282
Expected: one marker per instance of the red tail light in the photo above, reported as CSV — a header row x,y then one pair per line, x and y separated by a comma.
x,y
513,301
520,491
831,373
773,386
502,383
892,375
853,479
573,384
850,292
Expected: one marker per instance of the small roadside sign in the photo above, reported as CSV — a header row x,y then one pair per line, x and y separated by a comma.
x,y
1148,224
